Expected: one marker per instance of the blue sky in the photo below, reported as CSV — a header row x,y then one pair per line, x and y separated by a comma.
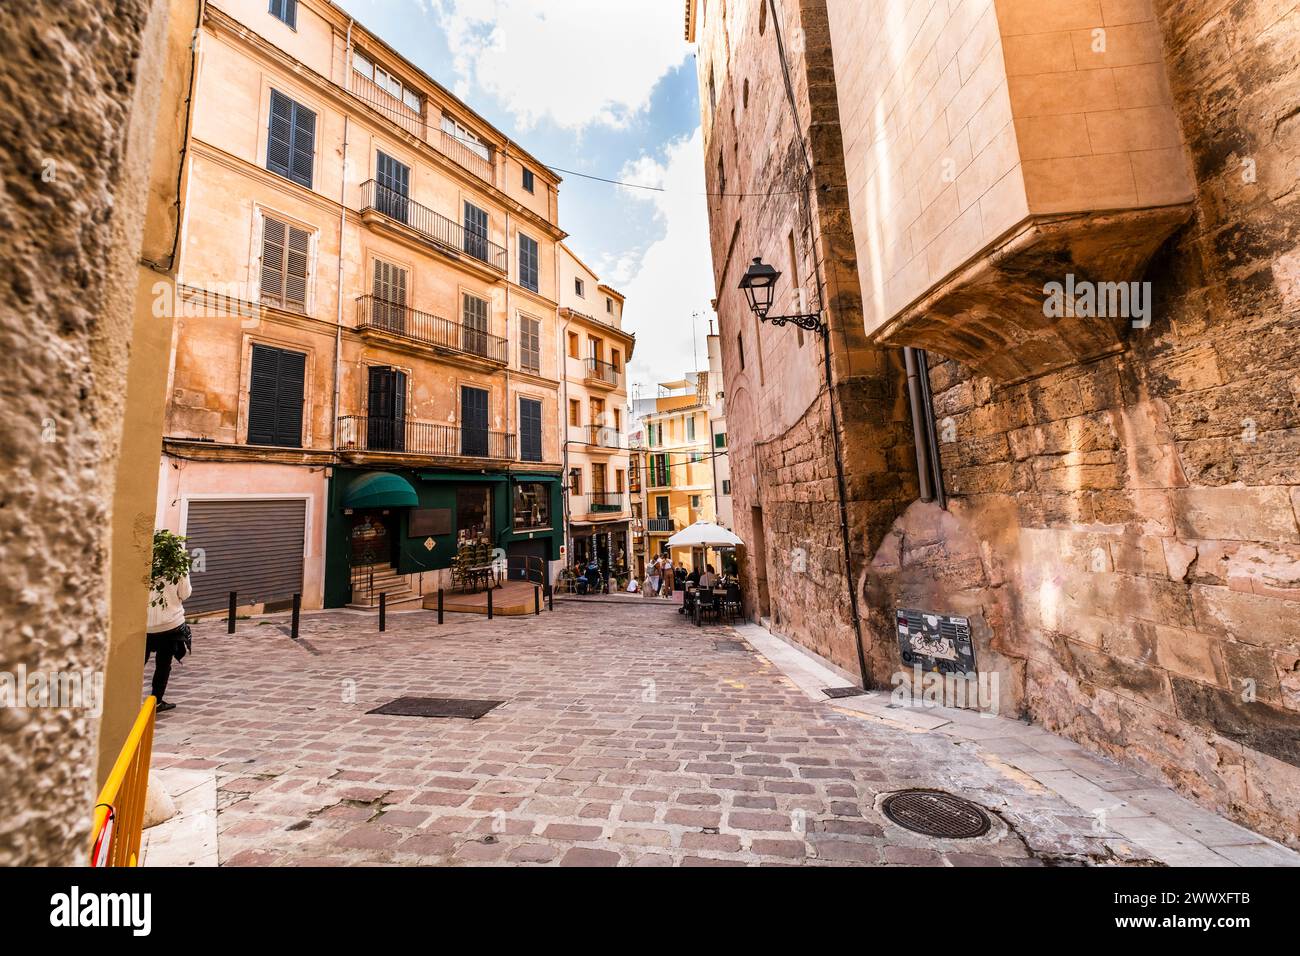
x,y
606,88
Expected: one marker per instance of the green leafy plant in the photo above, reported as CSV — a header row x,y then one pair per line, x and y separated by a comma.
x,y
171,562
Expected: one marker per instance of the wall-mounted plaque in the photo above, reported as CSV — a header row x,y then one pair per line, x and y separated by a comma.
x,y
935,642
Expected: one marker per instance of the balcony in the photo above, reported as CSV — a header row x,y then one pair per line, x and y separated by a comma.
x,y
661,525
605,502
405,436
415,122
434,228
600,373
378,316
602,438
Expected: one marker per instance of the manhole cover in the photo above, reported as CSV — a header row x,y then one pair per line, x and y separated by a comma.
x,y
936,814
436,707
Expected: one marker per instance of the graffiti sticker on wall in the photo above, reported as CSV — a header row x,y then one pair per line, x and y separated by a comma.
x,y
935,642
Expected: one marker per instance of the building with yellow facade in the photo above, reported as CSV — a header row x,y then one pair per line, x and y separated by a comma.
x,y
366,370
596,353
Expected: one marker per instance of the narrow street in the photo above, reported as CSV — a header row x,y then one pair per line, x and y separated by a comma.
x,y
627,737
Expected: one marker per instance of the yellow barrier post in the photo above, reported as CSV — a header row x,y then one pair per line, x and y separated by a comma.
x,y
119,811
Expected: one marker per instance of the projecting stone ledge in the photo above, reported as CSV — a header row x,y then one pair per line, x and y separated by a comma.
x,y
997,314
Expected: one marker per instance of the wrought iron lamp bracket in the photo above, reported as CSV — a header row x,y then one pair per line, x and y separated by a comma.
x,y
812,322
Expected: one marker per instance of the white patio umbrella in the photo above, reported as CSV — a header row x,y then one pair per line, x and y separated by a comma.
x,y
704,534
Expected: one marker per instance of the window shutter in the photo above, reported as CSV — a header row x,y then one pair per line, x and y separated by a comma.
x,y
304,145
289,396
530,429
530,349
297,259
273,259
279,147
275,397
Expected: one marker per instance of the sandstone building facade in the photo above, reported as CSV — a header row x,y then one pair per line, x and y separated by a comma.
x,y
366,374
596,351
1118,520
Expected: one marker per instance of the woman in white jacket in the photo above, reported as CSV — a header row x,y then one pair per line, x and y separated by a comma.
x,y
167,628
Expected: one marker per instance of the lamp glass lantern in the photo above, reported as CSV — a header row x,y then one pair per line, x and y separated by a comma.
x,y
759,283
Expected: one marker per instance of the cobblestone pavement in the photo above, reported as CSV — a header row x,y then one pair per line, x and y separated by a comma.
x,y
626,737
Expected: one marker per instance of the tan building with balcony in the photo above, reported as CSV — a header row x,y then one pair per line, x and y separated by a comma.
x,y
677,465
596,351
366,372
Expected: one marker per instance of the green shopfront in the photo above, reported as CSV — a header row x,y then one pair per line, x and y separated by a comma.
x,y
415,519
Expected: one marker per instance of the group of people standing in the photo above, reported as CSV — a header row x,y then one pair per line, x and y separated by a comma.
x,y
663,578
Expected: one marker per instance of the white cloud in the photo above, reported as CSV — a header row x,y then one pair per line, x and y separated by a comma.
x,y
576,62
673,277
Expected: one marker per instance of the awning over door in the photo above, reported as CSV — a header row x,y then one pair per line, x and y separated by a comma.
x,y
380,489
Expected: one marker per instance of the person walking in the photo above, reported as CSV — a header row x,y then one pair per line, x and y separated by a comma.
x,y
652,584
167,636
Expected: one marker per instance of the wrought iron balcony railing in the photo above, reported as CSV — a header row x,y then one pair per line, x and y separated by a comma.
x,y
602,373
426,439
661,525
384,316
431,225
602,436
605,501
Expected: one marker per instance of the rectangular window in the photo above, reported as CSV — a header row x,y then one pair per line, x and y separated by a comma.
x,y
463,136
476,232
575,481
291,139
474,324
573,345
532,505
620,478
473,422
528,262
275,397
720,440
575,413
286,10
473,513
392,186
609,305
615,359
579,288
389,289
618,420
362,65
661,506
695,501
530,429
726,486
530,345
690,428
286,257
528,180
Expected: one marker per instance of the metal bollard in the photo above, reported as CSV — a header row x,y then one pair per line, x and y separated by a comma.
x,y
297,612
383,609
439,605
489,602
550,596
230,617
537,600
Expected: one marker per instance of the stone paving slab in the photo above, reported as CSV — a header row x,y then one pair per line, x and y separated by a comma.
x,y
628,737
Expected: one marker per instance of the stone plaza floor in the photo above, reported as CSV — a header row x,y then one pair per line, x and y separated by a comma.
x,y
626,737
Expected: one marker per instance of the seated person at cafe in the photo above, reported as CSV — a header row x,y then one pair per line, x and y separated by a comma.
x,y
694,576
708,578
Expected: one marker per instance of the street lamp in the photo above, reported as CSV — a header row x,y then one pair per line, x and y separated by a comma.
x,y
759,283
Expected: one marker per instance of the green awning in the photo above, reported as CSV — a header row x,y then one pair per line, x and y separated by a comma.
x,y
380,489
526,477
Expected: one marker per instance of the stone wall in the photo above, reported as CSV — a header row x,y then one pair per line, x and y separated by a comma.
x,y
72,210
787,201
1124,534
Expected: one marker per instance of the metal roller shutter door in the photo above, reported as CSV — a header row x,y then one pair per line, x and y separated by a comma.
x,y
252,546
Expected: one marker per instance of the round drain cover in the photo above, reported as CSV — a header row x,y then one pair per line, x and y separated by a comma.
x,y
936,814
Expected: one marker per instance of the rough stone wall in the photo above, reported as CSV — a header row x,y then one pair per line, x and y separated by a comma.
x,y
1125,533
778,415
66,88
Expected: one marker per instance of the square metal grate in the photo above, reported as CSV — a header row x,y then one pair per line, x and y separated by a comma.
x,y
843,691
436,707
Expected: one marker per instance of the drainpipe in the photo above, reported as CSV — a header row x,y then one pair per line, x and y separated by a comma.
x,y
343,219
563,354
920,432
